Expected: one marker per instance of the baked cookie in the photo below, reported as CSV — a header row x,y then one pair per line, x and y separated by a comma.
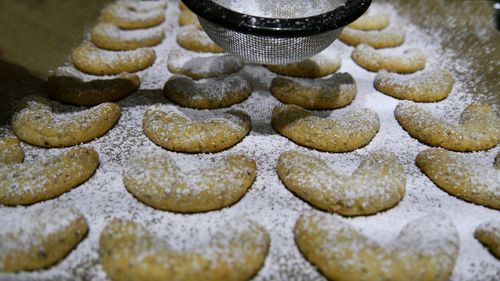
x,y
201,67
378,184
183,7
425,250
37,238
189,18
23,184
412,60
156,180
208,94
430,86
460,177
36,124
130,252
391,36
317,66
331,93
72,90
124,16
10,151
479,127
489,235
344,133
144,5
371,20
90,59
170,129
194,39
108,36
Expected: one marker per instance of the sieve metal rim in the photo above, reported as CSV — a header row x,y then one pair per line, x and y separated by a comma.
x,y
278,27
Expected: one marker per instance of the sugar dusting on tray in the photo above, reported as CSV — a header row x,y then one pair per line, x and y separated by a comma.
x,y
267,202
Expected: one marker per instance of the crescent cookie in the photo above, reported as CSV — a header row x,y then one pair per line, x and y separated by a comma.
x,y
10,151
201,67
430,86
90,59
345,133
157,181
72,90
385,38
426,249
194,39
317,66
412,60
479,127
182,6
457,175
127,17
335,92
144,5
36,124
371,21
130,252
170,129
108,36
23,184
37,238
489,235
208,94
189,18
378,184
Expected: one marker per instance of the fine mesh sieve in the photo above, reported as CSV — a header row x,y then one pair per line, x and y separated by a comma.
x,y
275,31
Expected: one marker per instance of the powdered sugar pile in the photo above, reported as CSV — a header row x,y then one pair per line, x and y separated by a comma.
x,y
268,202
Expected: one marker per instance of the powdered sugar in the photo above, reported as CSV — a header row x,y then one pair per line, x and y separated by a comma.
x,y
268,202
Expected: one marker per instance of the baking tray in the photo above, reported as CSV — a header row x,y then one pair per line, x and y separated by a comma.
x,y
463,32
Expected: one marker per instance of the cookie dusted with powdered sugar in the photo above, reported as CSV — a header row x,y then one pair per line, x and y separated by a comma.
x,y
344,133
23,184
317,66
92,60
479,127
208,94
130,252
337,91
391,36
144,5
194,39
124,16
39,237
36,124
69,89
109,36
427,86
426,249
11,151
410,61
461,177
157,180
488,234
371,20
202,66
378,184
171,129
